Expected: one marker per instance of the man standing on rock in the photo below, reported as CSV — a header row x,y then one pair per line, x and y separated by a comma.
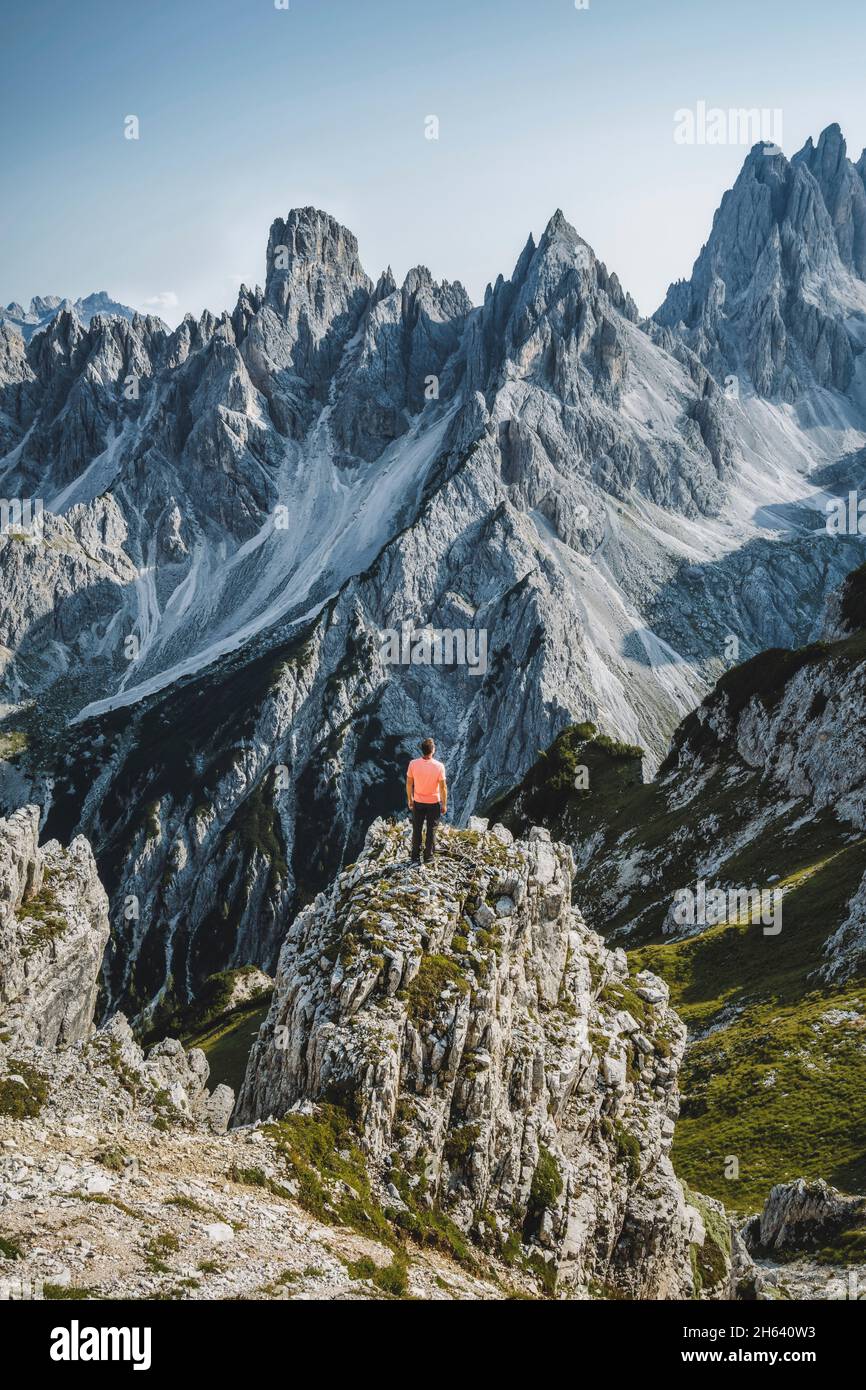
x,y
427,795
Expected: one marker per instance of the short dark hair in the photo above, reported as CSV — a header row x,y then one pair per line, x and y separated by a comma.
x,y
427,747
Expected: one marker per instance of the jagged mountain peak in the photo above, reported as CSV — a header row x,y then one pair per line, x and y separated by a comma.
x,y
417,278
524,258
101,302
308,236
558,313
315,231
385,285
843,193
563,253
830,146
59,338
559,242
41,303
558,227
777,291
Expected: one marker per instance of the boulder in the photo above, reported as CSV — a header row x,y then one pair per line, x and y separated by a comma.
x,y
801,1216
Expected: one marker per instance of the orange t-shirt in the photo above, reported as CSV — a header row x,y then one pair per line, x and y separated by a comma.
x,y
426,774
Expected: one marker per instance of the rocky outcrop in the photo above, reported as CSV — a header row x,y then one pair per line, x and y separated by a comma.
x,y
501,1066
68,596
803,1216
246,985
53,931
183,1074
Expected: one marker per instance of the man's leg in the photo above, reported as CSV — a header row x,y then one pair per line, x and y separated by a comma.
x,y
430,839
417,822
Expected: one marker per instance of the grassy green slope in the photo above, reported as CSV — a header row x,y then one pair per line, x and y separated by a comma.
x,y
224,1031
227,1044
780,1085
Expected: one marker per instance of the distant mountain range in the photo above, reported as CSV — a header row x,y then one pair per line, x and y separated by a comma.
x,y
236,510
44,308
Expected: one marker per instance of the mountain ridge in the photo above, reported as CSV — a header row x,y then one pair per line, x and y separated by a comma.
x,y
45,307
329,461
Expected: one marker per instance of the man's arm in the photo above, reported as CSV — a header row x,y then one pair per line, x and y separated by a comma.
x,y
410,789
443,793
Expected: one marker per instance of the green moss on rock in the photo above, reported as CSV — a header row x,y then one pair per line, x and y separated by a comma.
x,y
627,1151
424,994
23,1091
547,1184
321,1153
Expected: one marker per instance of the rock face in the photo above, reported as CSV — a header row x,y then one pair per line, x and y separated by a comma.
x,y
53,932
499,1063
803,1216
61,593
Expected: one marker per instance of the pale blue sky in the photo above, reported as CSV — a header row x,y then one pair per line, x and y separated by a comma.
x,y
247,110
